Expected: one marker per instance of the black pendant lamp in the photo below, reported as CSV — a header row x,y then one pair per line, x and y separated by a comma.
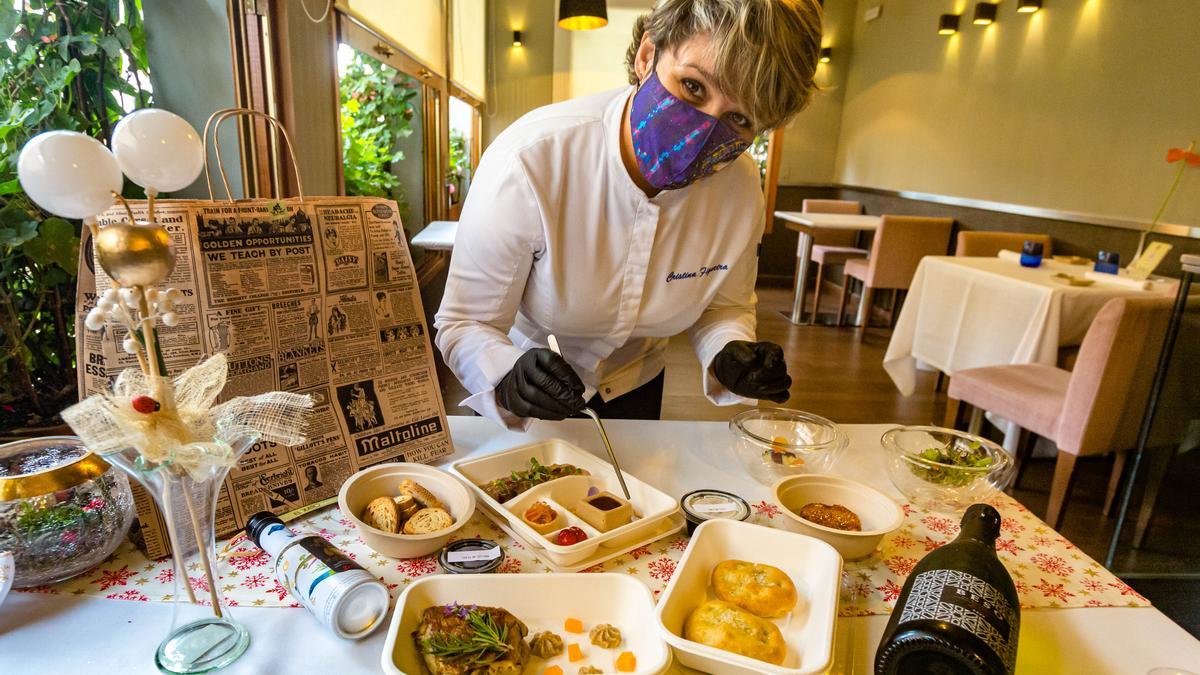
x,y
582,14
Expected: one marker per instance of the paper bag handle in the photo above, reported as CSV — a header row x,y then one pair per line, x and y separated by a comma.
x,y
214,122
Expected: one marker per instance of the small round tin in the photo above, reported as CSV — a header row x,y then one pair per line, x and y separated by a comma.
x,y
701,505
471,556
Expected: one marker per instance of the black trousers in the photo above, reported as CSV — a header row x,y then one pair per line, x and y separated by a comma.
x,y
643,403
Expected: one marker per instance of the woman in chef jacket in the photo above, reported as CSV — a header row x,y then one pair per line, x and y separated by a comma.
x,y
617,220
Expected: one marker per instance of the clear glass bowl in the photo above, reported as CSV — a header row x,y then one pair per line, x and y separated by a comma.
x,y
777,442
63,510
944,485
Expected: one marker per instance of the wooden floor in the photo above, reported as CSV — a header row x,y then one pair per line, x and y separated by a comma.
x,y
833,374
836,376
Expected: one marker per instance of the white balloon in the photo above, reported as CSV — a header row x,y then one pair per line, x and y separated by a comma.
x,y
68,173
158,149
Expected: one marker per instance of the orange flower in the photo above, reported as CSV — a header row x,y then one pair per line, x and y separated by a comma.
x,y
1179,154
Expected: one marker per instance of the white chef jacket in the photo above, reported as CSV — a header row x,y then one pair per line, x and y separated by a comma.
x,y
555,237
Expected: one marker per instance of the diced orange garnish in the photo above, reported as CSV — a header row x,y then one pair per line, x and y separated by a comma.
x,y
574,653
552,670
573,626
626,662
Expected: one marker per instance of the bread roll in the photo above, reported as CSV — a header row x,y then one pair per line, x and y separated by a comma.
x,y
762,590
418,492
427,521
381,513
728,627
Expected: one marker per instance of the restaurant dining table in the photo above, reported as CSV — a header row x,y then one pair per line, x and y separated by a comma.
x,y
437,236
806,224
968,312
45,632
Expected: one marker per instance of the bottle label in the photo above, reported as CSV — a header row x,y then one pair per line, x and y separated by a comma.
x,y
968,602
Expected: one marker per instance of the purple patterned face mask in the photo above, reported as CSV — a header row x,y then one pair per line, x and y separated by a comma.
x,y
676,144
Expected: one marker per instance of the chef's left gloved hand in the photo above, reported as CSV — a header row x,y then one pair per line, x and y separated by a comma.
x,y
753,370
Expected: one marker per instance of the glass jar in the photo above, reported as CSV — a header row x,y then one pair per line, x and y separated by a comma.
x,y
63,510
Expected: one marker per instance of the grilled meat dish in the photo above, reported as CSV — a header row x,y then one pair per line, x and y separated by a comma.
x,y
471,640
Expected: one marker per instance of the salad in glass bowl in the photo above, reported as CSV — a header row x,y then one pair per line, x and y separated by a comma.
x,y
944,469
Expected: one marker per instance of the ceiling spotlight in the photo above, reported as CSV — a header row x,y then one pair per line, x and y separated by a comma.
x,y
948,24
826,54
985,14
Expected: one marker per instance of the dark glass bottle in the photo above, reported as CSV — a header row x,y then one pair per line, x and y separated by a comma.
x,y
958,613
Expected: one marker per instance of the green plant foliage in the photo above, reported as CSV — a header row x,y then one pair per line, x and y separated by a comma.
x,y
64,64
758,152
56,244
377,109
459,164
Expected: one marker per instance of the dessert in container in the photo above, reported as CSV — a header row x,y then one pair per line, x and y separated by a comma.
x,y
555,523
877,512
654,512
383,480
813,566
776,442
941,485
543,602
604,511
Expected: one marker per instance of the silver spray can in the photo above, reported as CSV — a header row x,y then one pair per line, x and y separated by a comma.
x,y
337,590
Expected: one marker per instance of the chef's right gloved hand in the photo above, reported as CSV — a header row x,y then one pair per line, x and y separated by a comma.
x,y
541,384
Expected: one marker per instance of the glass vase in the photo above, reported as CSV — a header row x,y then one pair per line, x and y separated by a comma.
x,y
203,635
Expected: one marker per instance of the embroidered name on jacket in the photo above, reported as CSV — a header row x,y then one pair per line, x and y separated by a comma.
x,y
702,272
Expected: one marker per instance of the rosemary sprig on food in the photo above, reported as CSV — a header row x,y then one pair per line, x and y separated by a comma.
x,y
486,643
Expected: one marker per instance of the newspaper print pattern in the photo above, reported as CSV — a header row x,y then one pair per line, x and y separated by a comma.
x,y
316,298
868,586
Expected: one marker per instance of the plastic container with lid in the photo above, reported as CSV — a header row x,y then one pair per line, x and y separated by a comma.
x,y
701,505
471,556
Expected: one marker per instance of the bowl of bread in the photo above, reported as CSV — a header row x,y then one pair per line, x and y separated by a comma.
x,y
405,510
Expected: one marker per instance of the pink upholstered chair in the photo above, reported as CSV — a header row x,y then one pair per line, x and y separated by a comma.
x,y
1094,409
831,247
988,244
900,243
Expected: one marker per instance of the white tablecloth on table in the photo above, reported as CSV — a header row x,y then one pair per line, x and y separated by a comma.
x,y
964,312
103,636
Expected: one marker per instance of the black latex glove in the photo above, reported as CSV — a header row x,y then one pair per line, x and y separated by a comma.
x,y
753,370
541,384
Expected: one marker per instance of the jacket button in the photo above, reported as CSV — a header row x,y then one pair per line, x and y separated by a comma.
x,y
608,390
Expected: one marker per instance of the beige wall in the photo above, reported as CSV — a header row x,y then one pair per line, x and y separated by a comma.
x,y
1071,108
592,61
522,77
810,140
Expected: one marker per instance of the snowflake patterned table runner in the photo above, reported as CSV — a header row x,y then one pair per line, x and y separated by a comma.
x,y
1049,571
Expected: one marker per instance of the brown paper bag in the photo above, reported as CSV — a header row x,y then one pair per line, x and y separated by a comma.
x,y
315,295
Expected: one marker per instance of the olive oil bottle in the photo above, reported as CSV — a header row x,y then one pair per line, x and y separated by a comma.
x,y
958,613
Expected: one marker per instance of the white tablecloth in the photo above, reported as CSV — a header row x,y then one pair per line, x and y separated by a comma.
x,y
60,634
971,312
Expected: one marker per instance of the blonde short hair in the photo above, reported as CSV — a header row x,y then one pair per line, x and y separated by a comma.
x,y
766,50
